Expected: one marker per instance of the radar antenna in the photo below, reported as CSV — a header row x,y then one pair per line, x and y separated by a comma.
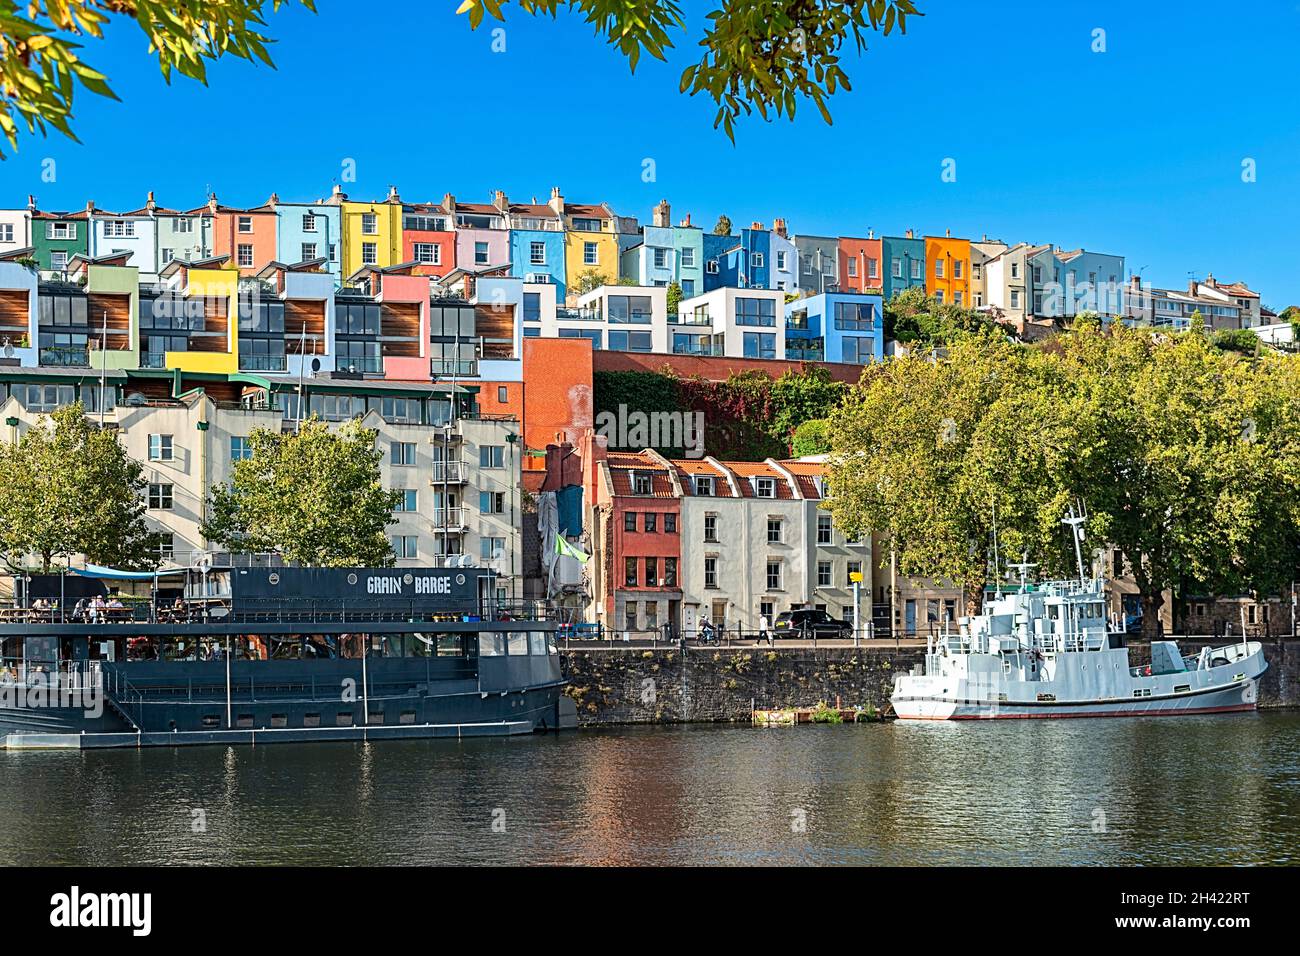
x,y
1022,567
1075,518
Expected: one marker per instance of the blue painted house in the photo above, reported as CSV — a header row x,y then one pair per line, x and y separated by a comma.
x,y
748,264
904,263
835,327
715,248
309,231
537,255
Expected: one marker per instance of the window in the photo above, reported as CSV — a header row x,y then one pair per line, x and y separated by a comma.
x,y
308,222
652,572
711,267
409,500
166,548
245,254
773,575
58,260
774,531
711,573
402,453
537,253
480,253
976,270
688,258
405,546
704,486
938,269
916,268
896,264
630,579
711,528
160,497
590,253
491,456
956,297
620,341
492,502
670,572
670,523
823,574
503,394
873,268
956,269
245,224
765,487
119,228
759,345
61,230
6,232
855,316
369,253
308,252
938,296
629,521
240,448
184,225
334,253
688,288
642,484
630,309
369,224
651,520
1015,270
853,267
857,349
780,261
661,258
756,260
1015,299
489,549
760,312
651,615
160,447
430,253
532,307
168,255
584,224
823,529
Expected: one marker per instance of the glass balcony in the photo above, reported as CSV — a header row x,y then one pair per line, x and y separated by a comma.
x,y
448,367
153,360
262,363
66,356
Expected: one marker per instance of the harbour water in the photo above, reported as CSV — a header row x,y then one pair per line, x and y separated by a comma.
x,y
1197,790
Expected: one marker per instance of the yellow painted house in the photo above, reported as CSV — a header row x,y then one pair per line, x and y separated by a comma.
x,y
371,232
590,241
947,269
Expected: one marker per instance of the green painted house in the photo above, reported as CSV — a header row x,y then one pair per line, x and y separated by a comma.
x,y
58,236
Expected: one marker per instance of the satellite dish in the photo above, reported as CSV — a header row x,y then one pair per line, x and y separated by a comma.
x,y
315,365
9,349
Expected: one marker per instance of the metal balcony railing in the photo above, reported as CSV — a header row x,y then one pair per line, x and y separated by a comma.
x,y
65,357
451,518
262,363
448,471
448,367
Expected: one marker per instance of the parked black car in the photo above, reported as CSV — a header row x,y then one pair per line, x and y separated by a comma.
x,y
808,622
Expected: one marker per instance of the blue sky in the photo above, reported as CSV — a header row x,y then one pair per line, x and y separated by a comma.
x,y
1137,150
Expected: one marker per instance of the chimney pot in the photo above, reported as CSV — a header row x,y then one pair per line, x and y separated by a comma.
x,y
948,233
910,234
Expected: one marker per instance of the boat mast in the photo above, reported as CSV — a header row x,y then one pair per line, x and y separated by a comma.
x,y
1075,521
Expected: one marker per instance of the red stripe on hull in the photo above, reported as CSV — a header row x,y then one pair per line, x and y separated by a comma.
x,y
1235,708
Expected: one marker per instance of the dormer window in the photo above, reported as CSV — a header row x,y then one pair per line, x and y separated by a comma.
x,y
642,484
704,486
765,487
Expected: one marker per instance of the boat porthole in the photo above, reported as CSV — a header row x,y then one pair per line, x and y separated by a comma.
x,y
460,579
408,578
273,578
352,579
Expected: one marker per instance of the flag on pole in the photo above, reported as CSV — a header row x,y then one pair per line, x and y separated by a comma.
x,y
562,546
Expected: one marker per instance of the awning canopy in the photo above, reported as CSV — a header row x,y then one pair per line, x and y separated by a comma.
x,y
99,571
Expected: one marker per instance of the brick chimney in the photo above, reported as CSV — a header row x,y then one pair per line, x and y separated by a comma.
x,y
392,195
779,227
948,233
449,203
90,207
274,200
212,203
871,233
31,203
909,234
756,226
1212,282
337,196
1192,286
556,201
663,216
500,201
149,203
687,221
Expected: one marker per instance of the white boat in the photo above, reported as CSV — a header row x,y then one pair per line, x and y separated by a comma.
x,y
1046,651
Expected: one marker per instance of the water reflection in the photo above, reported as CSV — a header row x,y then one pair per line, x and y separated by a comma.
x,y
1196,790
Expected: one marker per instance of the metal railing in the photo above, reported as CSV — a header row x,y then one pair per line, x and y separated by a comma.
x,y
448,471
451,518
262,363
467,367
60,357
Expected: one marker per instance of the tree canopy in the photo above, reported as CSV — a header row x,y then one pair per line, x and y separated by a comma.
x,y
761,57
314,497
40,67
1187,457
70,488
914,316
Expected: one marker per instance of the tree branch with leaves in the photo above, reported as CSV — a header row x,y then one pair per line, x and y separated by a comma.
x,y
758,57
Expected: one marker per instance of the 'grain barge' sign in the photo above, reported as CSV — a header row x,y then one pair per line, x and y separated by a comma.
x,y
440,589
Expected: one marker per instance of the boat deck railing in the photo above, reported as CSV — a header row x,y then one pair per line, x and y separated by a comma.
x,y
63,675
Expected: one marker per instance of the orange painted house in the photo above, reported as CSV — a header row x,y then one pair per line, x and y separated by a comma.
x,y
947,269
428,239
860,264
246,235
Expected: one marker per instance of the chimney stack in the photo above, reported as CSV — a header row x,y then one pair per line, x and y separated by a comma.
x,y
779,227
948,233
212,203
274,200
871,233
756,226
687,221
1211,281
1191,288
149,203
90,207
499,200
31,203
392,195
337,196
556,201
449,203
663,216
909,234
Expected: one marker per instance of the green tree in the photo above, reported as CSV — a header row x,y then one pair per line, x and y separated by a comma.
x,y
70,488
674,298
812,437
928,452
723,226
588,280
314,497
913,316
40,68
1188,457
1235,340
757,56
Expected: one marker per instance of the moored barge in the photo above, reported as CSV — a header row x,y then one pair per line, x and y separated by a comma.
x,y
261,655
